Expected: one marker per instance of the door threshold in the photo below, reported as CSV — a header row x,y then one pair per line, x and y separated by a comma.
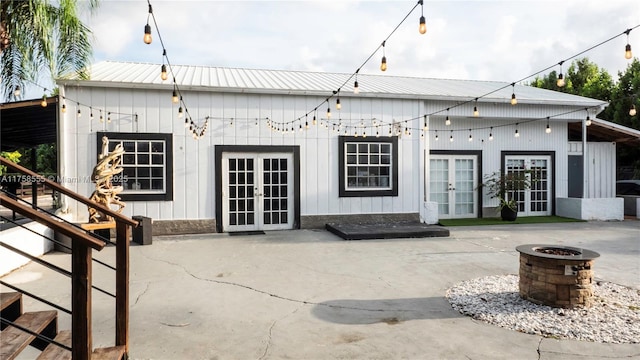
x,y
243,233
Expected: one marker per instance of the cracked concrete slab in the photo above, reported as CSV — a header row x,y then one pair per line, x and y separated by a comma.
x,y
307,294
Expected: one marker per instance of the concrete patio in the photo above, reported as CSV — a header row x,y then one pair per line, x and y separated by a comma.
x,y
307,294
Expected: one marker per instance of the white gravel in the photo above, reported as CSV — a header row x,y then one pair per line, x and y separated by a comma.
x,y
613,318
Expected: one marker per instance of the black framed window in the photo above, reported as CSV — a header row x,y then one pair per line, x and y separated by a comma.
x,y
368,167
147,165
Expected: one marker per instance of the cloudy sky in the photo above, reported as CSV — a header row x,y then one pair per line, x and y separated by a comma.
x,y
504,40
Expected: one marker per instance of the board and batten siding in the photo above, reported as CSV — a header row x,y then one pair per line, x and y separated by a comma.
x,y
193,160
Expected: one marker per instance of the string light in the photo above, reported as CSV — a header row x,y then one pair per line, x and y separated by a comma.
x,y
517,133
491,134
470,136
338,105
437,137
64,108
451,136
587,122
174,97
423,26
79,113
109,117
180,113
632,110
627,49
101,118
147,28
16,91
426,126
90,113
356,87
328,111
163,72
548,129
514,101
447,121
383,64
560,82
476,113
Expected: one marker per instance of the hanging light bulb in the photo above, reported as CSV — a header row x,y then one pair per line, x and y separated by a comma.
x,y
147,34
470,136
422,28
491,134
147,28
406,130
314,121
447,122
180,113
101,118
451,136
437,137
356,88
91,113
64,108
548,129
588,121
560,82
514,101
163,72
186,122
517,133
383,64
338,105
377,133
476,113
43,103
627,49
328,112
632,110
109,117
174,97
426,125
16,91
79,113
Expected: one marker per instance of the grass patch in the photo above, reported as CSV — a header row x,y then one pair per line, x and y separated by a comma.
x,y
498,221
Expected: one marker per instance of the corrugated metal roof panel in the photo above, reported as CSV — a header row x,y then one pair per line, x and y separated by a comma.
x,y
278,81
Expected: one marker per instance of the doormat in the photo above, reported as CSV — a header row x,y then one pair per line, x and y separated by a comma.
x,y
243,233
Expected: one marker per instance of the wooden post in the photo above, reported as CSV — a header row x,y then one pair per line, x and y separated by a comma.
x,y
123,236
81,301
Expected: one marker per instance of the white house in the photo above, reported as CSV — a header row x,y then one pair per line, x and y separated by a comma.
x,y
244,174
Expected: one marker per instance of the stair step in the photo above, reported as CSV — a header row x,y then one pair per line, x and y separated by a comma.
x,y
10,306
54,352
14,340
8,299
108,353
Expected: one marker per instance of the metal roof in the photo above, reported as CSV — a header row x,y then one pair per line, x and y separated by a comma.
x,y
204,78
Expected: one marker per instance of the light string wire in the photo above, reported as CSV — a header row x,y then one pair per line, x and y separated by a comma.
x,y
91,107
473,99
198,130
335,92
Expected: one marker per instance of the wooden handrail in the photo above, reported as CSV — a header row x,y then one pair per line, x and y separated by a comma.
x,y
58,226
54,185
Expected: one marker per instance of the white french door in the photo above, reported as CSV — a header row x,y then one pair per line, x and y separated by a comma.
x,y
257,191
535,201
453,183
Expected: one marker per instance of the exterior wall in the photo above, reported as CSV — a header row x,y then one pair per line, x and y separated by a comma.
x,y
193,161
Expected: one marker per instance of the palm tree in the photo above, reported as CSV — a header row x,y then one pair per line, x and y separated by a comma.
x,y
37,36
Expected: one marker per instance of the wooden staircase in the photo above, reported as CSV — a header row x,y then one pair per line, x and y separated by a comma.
x,y
14,340
39,329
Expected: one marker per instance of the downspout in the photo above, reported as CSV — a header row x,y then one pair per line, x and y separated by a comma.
x,y
585,162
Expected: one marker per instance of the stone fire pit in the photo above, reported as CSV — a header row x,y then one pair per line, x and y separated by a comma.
x,y
558,276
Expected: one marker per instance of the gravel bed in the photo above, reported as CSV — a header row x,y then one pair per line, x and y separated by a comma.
x,y
613,318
